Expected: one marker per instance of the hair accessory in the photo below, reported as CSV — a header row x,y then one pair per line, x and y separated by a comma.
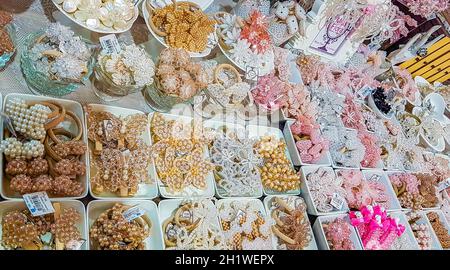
x,y
440,229
372,154
420,229
178,153
331,105
60,54
120,154
345,147
247,41
311,145
192,227
322,186
351,114
277,172
111,231
20,230
361,192
292,227
414,191
338,234
182,24
237,165
244,226
178,76
377,230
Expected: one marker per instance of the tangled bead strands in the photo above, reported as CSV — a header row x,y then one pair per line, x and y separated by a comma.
x,y
20,230
111,231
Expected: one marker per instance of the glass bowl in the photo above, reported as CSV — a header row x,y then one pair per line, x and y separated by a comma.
x,y
40,83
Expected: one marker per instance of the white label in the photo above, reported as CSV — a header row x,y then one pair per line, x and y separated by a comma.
x,y
443,185
133,213
337,201
364,91
38,203
110,44
251,73
295,51
75,244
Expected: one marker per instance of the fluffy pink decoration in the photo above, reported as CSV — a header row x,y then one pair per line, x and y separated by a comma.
x,y
377,230
373,152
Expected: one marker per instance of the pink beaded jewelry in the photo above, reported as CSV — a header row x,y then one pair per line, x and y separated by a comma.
x,y
372,153
338,234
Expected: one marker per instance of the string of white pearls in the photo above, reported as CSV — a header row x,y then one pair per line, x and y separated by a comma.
x,y
13,148
28,121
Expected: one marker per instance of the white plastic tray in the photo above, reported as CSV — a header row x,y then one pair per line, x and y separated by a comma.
x,y
319,233
443,221
8,206
188,191
70,105
306,194
154,242
293,151
388,173
394,204
435,245
167,207
145,191
267,204
259,131
215,125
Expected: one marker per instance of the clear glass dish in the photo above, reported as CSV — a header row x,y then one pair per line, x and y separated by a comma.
x,y
40,83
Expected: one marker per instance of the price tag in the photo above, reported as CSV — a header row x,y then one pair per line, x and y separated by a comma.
x,y
38,203
251,73
337,201
133,213
75,244
110,44
364,91
296,51
443,185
